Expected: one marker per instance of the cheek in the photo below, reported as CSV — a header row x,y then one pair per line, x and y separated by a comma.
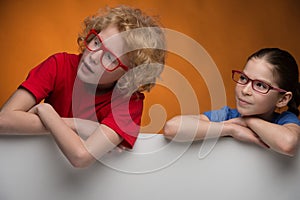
x,y
237,90
266,103
272,99
84,54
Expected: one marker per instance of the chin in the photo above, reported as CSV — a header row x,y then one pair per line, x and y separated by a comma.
x,y
244,112
247,113
87,80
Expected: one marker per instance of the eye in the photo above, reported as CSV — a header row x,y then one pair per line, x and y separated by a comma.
x,y
110,57
96,42
243,78
109,60
261,85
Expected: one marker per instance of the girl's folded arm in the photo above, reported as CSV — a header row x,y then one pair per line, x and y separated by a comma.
x,y
281,138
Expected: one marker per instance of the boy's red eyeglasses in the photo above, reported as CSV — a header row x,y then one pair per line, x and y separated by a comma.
x,y
108,59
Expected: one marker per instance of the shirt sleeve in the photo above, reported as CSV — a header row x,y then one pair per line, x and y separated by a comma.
x,y
222,114
287,118
125,118
41,79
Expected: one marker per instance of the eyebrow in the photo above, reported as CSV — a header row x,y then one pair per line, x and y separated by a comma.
x,y
259,79
112,41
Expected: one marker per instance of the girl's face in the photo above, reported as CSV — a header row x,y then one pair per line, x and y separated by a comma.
x,y
91,69
250,102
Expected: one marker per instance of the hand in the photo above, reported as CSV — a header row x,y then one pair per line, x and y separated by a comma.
x,y
33,110
42,106
238,121
70,123
241,132
120,148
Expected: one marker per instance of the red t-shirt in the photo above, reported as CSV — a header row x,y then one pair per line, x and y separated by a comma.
x,y
55,81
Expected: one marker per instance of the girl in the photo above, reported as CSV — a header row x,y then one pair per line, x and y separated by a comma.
x,y
122,54
268,83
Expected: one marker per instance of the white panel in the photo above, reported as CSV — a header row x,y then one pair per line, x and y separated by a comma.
x,y
33,168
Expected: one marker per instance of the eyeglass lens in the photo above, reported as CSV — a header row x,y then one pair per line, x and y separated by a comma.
x,y
108,59
257,85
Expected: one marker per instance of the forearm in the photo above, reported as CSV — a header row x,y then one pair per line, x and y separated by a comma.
x,y
67,139
278,137
21,123
189,128
84,128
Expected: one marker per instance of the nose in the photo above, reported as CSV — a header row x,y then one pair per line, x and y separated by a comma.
x,y
247,89
95,56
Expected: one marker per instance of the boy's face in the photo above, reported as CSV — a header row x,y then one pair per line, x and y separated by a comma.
x,y
91,69
250,102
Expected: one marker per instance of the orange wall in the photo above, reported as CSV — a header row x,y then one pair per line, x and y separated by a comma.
x,y
228,30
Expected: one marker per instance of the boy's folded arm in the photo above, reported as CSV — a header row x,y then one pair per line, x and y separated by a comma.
x,y
16,118
80,152
83,127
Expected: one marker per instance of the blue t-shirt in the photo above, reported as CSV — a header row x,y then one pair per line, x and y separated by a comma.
x,y
227,113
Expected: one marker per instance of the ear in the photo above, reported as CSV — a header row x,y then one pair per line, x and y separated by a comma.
x,y
284,99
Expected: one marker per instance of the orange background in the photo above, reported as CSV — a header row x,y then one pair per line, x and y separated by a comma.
x,y
228,30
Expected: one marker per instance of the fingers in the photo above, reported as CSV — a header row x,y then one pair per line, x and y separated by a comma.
x,y
238,121
254,138
121,148
259,142
33,109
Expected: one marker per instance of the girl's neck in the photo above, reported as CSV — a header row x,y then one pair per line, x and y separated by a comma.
x,y
267,116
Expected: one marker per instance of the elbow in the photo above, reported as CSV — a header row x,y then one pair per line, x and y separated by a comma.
x,y
171,127
289,146
288,151
7,122
82,159
3,123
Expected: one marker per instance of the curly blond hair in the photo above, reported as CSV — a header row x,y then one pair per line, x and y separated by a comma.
x,y
143,37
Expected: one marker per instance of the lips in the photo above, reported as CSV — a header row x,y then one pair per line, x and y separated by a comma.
x,y
243,102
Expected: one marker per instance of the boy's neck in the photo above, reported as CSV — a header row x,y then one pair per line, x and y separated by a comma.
x,y
99,89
